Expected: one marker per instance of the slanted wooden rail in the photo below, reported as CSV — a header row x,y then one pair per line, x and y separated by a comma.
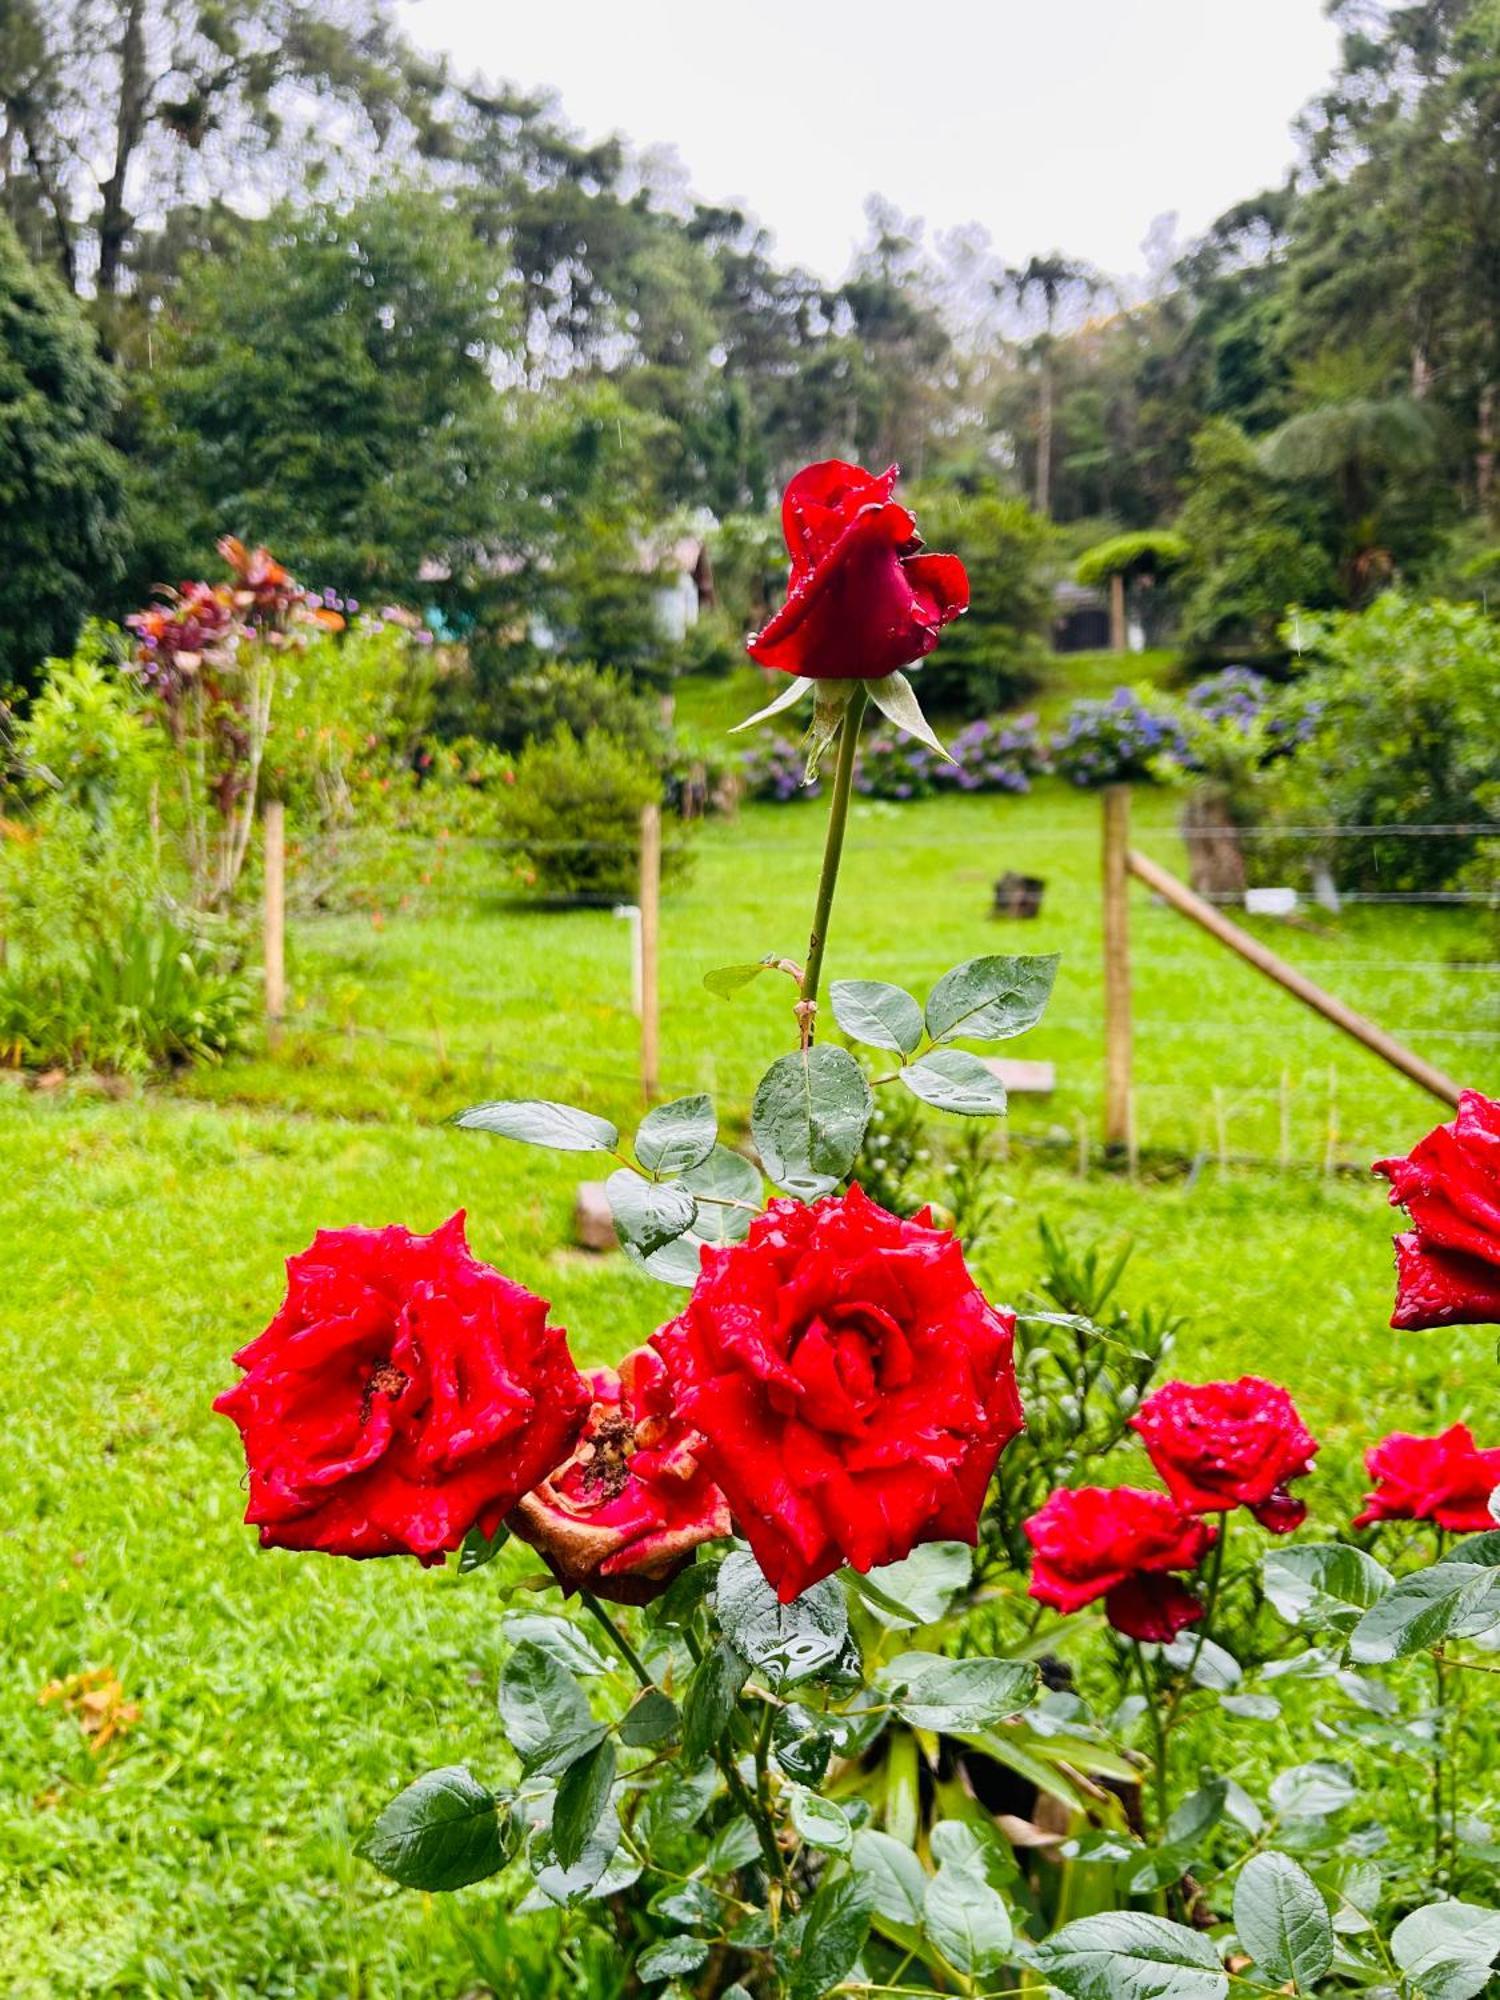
x,y
1365,1032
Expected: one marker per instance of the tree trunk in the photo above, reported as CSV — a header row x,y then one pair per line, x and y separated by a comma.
x,y
1044,441
115,218
1118,634
1484,450
1216,855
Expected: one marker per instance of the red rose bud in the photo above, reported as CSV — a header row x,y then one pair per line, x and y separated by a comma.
x,y
627,1510
403,1393
1121,1544
1446,1480
853,1386
863,600
1448,1262
1219,1445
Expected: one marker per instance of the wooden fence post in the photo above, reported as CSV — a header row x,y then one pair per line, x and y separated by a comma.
x,y
1116,965
650,902
273,929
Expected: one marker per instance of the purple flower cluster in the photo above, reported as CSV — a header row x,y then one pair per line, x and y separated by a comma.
x,y
1002,755
1237,695
1110,742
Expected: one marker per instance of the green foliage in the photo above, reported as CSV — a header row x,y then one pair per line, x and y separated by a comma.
x,y
534,704
1149,552
573,818
987,660
85,741
1400,707
60,479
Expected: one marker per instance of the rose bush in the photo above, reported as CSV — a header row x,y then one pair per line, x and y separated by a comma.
x,y
853,1386
404,1394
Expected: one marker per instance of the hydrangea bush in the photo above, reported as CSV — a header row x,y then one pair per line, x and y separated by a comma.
x,y
801,1745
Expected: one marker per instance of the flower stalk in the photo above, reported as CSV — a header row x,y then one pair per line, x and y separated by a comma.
x,y
833,850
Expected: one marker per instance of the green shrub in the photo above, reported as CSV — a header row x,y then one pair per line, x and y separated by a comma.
x,y
573,816
988,658
532,707
1400,718
85,740
147,995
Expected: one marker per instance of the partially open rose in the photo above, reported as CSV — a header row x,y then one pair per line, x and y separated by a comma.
x,y
1219,1445
627,1510
403,1393
1446,1479
853,1386
1120,1543
1448,1262
863,598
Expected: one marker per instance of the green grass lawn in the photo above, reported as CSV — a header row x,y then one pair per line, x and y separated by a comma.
x,y
207,1850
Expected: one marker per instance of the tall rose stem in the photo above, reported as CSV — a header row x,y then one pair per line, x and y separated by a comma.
x,y
1441,1852
753,1809
833,849
1158,1723
1210,1606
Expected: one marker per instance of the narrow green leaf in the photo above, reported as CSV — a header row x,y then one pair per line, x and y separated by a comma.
x,y
711,1696
442,1832
582,1794
808,1119
786,699
536,1121
897,701
478,1548
954,1080
991,999
879,1015
1282,1920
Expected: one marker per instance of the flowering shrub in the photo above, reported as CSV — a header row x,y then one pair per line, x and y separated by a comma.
x,y
1115,741
794,1769
1001,755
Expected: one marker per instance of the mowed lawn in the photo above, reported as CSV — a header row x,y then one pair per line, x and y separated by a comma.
x,y
273,1701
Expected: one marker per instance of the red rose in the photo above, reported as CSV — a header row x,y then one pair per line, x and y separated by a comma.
x,y
1219,1445
1447,1480
853,1386
1121,1544
862,599
1448,1262
404,1392
626,1511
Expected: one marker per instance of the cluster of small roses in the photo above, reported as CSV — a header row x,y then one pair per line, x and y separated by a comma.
x,y
1217,1446
837,1387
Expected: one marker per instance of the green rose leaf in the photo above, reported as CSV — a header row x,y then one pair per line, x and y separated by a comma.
x,y
536,1121
1420,1610
1447,1949
1198,1814
711,1696
1209,1665
1130,1955
727,980
879,1015
967,1920
544,1711
648,1214
568,1644
954,1080
991,999
1323,1585
808,1119
478,1548
1282,1921
786,1642
582,1794
600,1871
918,1589
652,1718
895,1880
1311,1791
820,1822
803,1743
443,1832
673,1137
897,701
672,1958
957,1696
733,1191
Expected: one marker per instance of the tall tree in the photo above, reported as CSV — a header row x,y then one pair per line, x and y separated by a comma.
x,y
1055,285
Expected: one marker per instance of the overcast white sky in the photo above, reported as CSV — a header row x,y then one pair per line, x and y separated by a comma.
x,y
1057,124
